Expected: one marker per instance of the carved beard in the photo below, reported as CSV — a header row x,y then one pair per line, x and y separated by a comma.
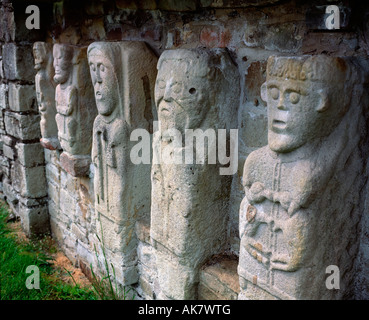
x,y
62,77
39,63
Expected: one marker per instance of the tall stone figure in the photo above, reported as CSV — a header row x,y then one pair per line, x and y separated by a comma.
x,y
123,75
45,93
195,89
76,108
301,215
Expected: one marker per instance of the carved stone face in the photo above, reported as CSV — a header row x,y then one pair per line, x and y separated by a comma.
x,y
39,54
293,113
63,56
104,81
181,96
306,99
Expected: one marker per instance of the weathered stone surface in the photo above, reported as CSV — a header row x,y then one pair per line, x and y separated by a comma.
x,y
17,60
4,166
23,180
30,154
309,175
254,78
35,220
188,95
74,98
9,152
33,202
10,141
23,127
214,37
45,92
147,269
94,29
253,116
219,281
50,143
7,25
22,97
77,166
3,96
52,173
147,289
53,192
123,75
143,230
12,197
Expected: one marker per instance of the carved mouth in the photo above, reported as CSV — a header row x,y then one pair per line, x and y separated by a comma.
x,y
98,95
169,108
165,108
279,125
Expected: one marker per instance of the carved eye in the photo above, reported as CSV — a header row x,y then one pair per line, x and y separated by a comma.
x,y
92,67
294,97
102,67
274,93
161,84
192,91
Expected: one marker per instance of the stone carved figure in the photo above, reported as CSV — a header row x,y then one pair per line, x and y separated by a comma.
x,y
75,106
189,201
302,209
123,76
45,93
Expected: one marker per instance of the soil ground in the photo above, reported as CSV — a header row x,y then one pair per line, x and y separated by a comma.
x,y
59,261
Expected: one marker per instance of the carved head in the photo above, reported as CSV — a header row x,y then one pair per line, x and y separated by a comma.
x,y
306,99
39,54
63,62
184,89
104,61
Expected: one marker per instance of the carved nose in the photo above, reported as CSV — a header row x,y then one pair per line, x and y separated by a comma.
x,y
281,104
98,78
168,92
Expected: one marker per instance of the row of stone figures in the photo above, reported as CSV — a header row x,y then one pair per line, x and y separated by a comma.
x,y
303,191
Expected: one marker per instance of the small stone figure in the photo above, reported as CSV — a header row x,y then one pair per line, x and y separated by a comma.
x,y
45,93
189,200
75,105
123,76
302,205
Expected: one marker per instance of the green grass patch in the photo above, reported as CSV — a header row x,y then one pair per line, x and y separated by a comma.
x,y
16,255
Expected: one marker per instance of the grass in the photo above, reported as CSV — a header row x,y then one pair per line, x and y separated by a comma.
x,y
16,255
107,288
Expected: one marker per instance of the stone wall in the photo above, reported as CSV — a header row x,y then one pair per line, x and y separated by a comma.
x,y
51,187
24,184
